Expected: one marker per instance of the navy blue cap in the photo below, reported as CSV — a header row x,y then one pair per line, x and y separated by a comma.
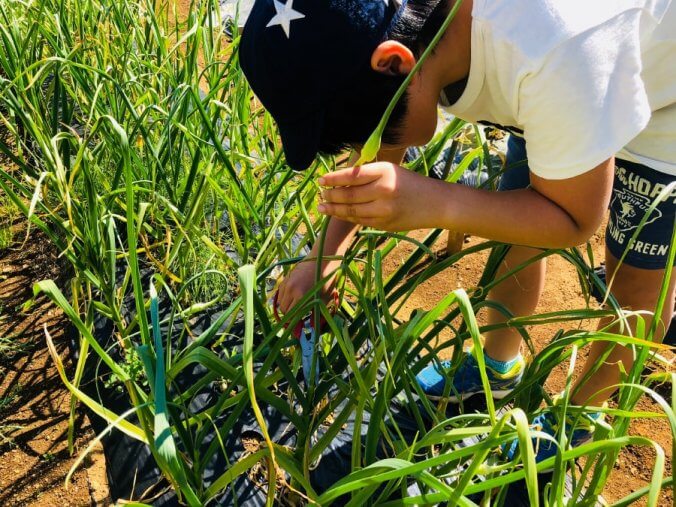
x,y
289,51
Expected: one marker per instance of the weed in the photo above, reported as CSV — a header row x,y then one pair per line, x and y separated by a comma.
x,y
48,457
9,212
9,397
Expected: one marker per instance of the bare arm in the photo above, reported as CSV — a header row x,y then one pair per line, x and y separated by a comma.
x,y
550,214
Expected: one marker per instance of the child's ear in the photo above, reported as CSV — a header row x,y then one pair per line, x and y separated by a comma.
x,y
392,58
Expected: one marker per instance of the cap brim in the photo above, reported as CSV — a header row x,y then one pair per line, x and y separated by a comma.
x,y
300,139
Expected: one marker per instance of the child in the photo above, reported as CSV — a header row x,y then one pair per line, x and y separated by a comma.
x,y
589,88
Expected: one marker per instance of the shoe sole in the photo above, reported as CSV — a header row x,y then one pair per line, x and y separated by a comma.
x,y
497,395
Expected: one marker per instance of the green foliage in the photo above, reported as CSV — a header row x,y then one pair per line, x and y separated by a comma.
x,y
133,368
8,213
10,346
138,147
9,397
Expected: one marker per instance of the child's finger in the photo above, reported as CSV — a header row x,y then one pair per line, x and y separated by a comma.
x,y
350,212
286,297
290,303
359,175
351,195
281,298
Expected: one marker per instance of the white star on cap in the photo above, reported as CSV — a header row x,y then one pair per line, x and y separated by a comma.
x,y
285,15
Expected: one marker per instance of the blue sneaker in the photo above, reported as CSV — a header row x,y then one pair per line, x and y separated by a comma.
x,y
548,423
467,380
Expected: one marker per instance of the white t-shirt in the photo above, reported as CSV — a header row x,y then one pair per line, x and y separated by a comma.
x,y
583,79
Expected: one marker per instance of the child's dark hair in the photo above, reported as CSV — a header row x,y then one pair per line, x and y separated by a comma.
x,y
355,112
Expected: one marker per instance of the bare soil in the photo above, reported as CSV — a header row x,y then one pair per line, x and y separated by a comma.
x,y
34,403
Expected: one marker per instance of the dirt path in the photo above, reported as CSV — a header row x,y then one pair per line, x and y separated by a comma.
x,y
34,403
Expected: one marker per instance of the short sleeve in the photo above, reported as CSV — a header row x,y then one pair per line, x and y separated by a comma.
x,y
586,100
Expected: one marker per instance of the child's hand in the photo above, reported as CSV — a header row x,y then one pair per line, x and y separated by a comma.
x,y
299,282
381,195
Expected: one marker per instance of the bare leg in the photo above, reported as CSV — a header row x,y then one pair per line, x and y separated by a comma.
x,y
520,294
636,289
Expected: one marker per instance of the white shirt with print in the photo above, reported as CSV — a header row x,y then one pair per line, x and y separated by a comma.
x,y
584,80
